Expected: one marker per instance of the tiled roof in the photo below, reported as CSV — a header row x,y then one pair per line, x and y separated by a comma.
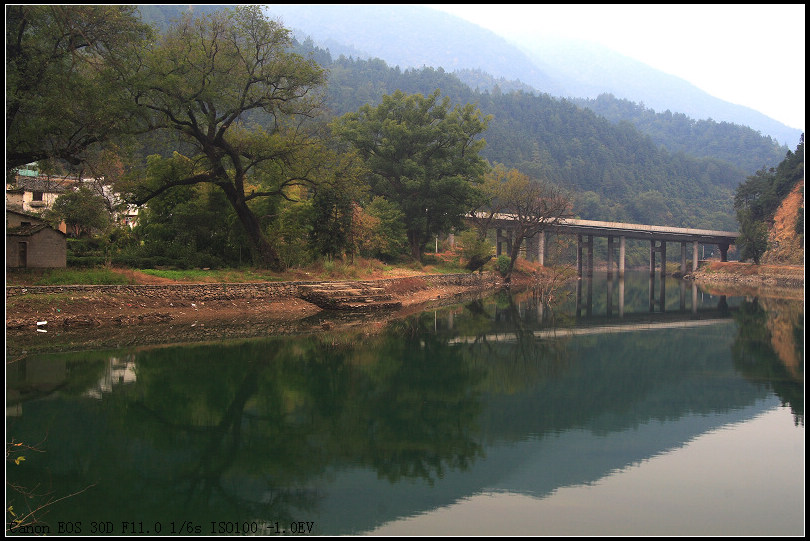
x,y
44,184
27,230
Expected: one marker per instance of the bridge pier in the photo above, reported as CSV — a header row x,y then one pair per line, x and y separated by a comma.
x,y
541,248
589,262
501,238
662,248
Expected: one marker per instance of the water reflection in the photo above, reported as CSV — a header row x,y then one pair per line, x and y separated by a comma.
x,y
353,430
597,296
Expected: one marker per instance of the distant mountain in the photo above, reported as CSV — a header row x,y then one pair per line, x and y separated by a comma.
x,y
588,70
413,36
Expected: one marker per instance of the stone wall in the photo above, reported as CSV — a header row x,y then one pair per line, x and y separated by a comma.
x,y
264,290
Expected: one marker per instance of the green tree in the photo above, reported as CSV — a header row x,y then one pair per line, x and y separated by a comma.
x,y
82,210
379,230
64,71
753,239
227,86
423,156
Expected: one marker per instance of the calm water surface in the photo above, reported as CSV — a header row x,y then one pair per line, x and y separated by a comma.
x,y
627,409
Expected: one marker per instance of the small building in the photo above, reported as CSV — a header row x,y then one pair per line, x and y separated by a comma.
x,y
32,243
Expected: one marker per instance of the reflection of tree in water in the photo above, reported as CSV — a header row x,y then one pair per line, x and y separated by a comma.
x,y
755,357
419,411
240,429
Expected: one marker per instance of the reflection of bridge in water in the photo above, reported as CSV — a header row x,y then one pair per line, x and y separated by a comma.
x,y
613,318
585,297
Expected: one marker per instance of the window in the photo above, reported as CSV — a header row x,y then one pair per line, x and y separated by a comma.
x,y
37,196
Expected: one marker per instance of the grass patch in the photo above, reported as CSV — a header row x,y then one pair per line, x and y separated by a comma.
x,y
65,277
42,301
218,275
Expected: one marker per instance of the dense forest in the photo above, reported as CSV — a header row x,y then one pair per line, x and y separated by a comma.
x,y
738,145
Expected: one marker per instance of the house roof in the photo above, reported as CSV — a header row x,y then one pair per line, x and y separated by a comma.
x,y
41,184
29,230
20,212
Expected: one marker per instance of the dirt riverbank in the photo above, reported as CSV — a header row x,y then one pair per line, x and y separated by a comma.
x,y
733,277
114,307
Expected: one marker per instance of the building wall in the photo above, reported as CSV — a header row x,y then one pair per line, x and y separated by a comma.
x,y
45,248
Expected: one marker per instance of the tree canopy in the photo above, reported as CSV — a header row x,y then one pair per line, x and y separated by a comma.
x,y
238,101
65,66
422,155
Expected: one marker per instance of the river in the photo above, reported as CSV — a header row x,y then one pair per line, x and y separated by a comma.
x,y
627,408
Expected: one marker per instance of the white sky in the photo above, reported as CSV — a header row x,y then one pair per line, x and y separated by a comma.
x,y
751,55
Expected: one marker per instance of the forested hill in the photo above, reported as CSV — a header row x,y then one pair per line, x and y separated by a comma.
x,y
615,172
738,145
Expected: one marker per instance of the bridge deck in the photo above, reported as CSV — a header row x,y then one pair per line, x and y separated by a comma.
x,y
636,231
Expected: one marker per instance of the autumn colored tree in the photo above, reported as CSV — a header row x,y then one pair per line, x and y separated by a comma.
x,y
531,205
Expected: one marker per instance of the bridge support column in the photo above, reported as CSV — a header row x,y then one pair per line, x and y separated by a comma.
x,y
579,256
621,257
695,256
590,255
723,252
609,257
501,238
683,258
663,249
541,248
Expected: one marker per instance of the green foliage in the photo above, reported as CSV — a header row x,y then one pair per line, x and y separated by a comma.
x,y
83,211
741,146
503,264
381,230
422,155
100,276
228,88
65,73
753,239
556,140
474,247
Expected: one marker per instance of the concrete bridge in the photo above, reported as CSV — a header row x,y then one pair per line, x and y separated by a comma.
x,y
617,233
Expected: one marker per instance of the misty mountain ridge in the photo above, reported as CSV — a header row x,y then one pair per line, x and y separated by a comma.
x,y
414,37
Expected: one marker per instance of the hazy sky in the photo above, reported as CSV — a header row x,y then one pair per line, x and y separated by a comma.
x,y
751,55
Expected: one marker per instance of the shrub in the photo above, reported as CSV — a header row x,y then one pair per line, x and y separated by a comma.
x,y
502,264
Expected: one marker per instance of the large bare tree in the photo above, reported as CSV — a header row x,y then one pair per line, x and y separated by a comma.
x,y
532,205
